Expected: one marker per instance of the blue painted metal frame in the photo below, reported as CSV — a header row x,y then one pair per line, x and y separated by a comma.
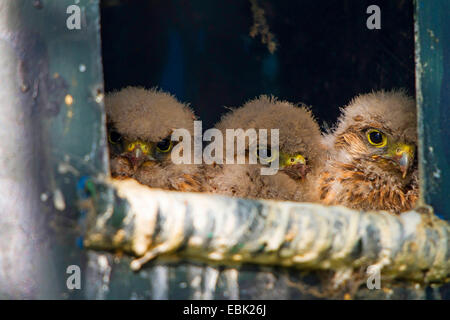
x,y
432,29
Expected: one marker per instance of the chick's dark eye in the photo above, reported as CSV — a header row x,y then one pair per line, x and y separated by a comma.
x,y
376,137
164,145
115,137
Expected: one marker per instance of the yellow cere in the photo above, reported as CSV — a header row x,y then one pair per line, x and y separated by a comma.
x,y
142,145
293,160
404,148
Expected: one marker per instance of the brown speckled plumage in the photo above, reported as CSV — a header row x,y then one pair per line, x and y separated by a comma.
x,y
361,176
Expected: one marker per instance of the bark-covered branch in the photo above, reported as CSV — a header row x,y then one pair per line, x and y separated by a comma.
x,y
149,222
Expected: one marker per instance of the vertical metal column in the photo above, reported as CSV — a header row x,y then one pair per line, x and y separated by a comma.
x,y
432,29
51,135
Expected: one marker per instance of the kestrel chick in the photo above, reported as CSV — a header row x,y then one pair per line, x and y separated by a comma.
x,y
140,123
299,153
371,163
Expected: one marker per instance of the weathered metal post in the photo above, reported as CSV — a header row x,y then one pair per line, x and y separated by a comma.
x,y
50,135
432,33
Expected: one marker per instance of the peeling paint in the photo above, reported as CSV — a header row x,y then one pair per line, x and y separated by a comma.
x,y
58,200
68,100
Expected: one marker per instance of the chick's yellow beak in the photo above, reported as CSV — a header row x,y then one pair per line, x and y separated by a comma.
x,y
137,152
404,157
294,166
138,145
297,159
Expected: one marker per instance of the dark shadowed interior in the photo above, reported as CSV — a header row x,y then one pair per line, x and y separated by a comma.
x,y
201,51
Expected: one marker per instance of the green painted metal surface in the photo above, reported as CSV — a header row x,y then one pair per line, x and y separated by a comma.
x,y
51,134
432,28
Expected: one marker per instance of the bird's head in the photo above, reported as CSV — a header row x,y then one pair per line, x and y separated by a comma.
x,y
380,129
140,152
299,139
140,123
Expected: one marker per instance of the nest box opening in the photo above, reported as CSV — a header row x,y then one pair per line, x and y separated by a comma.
x,y
222,54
